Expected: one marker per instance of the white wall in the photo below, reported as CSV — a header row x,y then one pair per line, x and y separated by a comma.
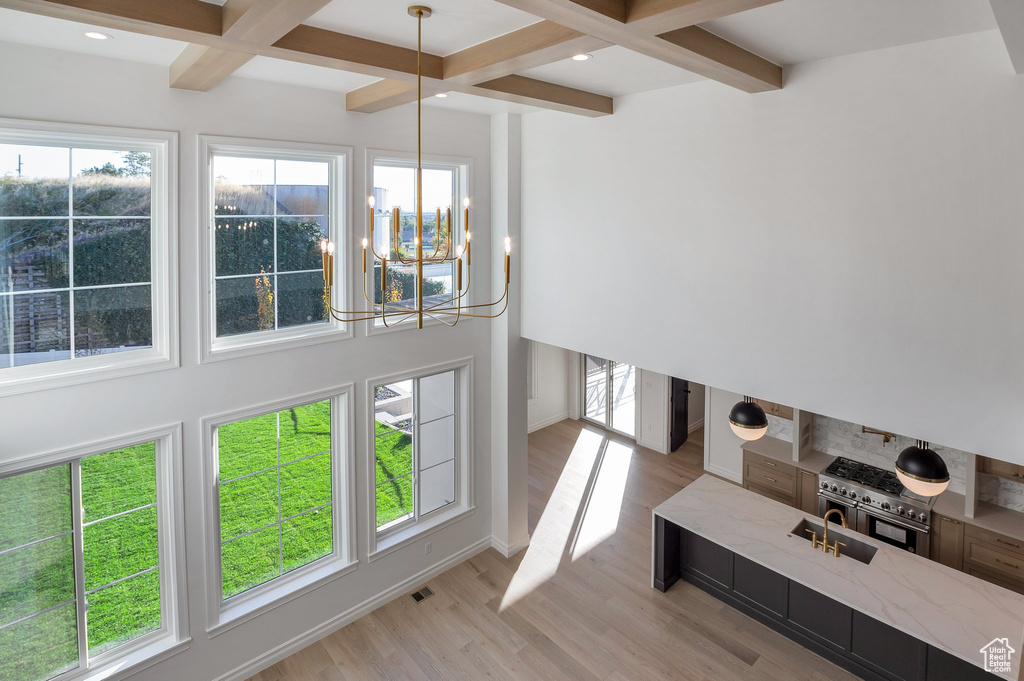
x,y
849,245
52,85
695,407
723,451
653,427
552,386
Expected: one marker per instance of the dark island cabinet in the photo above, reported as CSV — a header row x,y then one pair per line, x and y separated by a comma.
x,y
861,644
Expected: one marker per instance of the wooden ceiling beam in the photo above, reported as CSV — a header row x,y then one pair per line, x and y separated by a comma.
x,y
523,90
200,67
646,24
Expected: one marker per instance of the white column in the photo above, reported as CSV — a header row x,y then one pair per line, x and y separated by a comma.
x,y
508,349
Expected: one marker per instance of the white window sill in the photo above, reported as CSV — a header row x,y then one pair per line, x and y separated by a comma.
x,y
285,589
404,537
64,373
134,661
259,342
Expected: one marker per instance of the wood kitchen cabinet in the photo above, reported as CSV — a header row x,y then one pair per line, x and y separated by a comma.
x,y
783,482
776,409
947,542
808,492
1003,469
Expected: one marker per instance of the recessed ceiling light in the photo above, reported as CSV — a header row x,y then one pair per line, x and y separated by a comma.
x,y
581,57
441,95
95,35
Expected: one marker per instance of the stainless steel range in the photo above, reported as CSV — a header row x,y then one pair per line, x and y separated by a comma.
x,y
876,503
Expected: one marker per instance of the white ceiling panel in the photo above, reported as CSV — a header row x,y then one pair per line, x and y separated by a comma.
x,y
31,29
306,75
796,31
458,101
614,71
455,24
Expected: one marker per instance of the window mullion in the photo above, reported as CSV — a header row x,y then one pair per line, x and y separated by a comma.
x,y
79,543
71,255
280,524
416,450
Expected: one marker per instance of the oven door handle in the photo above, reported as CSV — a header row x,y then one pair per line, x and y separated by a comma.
x,y
892,521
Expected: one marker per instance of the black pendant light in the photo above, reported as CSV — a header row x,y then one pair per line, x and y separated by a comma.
x,y
922,470
747,420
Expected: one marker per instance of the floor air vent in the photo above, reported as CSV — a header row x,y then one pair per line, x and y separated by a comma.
x,y
422,595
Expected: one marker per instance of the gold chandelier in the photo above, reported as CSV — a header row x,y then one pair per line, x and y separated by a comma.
x,y
450,309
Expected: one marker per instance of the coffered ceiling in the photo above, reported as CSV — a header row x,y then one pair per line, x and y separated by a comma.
x,y
487,55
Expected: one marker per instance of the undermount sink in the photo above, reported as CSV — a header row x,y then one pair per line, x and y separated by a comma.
x,y
856,549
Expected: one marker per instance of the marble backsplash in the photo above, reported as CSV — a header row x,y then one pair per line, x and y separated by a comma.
x,y
842,438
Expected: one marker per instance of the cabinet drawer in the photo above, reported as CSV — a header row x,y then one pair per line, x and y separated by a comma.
x,y
772,494
998,580
1000,541
777,478
768,462
992,559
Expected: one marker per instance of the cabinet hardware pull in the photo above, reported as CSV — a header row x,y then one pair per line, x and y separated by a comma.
x,y
1003,541
769,479
950,520
766,462
1015,567
1016,475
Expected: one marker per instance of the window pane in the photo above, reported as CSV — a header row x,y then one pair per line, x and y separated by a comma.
x,y
596,397
623,398
394,453
113,320
248,504
302,299
34,506
251,560
247,446
437,441
111,183
298,243
394,501
307,538
302,188
33,254
437,396
437,487
112,252
245,246
124,612
34,180
34,328
305,485
245,305
40,648
243,186
118,481
36,577
305,430
120,547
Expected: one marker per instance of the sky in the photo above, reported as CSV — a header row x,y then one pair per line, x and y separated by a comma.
x,y
51,162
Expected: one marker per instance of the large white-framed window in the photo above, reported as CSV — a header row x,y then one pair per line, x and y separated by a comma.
x,y
266,207
279,502
92,558
392,182
421,453
88,254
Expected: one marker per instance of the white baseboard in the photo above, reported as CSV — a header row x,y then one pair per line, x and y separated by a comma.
x,y
660,447
557,418
725,473
509,550
256,665
696,425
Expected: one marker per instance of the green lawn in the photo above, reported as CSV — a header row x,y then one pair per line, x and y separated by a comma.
x,y
394,474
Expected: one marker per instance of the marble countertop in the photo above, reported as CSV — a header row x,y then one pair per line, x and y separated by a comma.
x,y
782,451
988,516
929,601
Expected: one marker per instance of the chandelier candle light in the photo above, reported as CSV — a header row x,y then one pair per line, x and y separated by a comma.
x,y
449,309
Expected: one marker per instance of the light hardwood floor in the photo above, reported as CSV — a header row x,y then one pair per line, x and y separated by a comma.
x,y
577,604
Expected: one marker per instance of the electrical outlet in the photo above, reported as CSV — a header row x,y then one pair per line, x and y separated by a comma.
x,y
427,548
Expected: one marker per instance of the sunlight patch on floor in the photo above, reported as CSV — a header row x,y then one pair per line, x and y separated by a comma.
x,y
550,539
604,503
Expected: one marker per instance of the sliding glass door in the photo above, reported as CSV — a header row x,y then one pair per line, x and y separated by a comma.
x,y
609,394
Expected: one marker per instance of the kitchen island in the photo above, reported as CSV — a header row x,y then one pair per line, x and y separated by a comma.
x,y
898,617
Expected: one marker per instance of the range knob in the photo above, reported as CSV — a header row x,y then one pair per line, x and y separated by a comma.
x,y
824,485
900,510
835,488
923,518
885,506
911,515
853,495
842,491
866,500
